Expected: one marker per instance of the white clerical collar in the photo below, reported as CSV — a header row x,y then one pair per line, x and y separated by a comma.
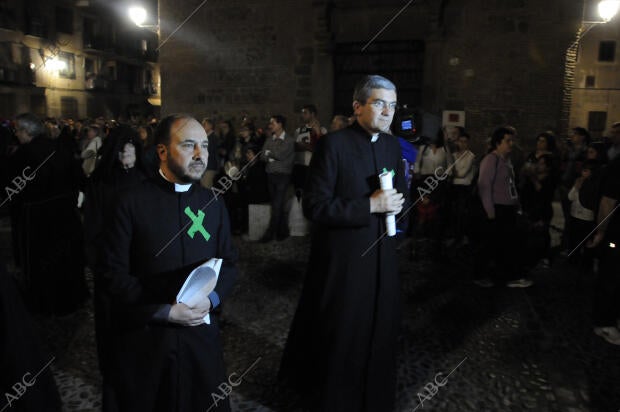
x,y
375,137
177,187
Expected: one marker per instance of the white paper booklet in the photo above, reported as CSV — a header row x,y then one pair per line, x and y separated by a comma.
x,y
200,282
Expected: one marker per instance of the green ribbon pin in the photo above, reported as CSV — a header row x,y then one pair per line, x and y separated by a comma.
x,y
197,225
391,171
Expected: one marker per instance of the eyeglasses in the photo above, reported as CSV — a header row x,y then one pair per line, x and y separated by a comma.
x,y
381,105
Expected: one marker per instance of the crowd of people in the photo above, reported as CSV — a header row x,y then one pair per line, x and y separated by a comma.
x,y
499,205
67,196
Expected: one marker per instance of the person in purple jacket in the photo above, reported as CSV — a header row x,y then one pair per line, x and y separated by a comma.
x,y
498,193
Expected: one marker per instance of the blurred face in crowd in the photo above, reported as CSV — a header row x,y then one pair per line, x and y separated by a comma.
x,y
586,173
244,133
377,113
224,129
452,134
541,144
250,155
21,134
462,143
306,115
577,139
208,126
185,159
275,127
592,154
143,133
338,122
505,146
92,133
52,129
128,156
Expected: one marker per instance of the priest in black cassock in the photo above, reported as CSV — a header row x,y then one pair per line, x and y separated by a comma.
x,y
341,350
164,357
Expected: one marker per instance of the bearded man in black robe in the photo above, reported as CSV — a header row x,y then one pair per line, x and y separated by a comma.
x,y
341,350
163,355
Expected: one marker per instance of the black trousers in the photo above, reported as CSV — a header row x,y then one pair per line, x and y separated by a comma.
x,y
607,290
459,206
277,184
578,232
300,174
499,238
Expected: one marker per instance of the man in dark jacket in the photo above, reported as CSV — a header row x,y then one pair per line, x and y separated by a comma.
x,y
341,350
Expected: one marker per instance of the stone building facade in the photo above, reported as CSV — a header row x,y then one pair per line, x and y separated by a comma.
x,y
499,61
595,96
75,59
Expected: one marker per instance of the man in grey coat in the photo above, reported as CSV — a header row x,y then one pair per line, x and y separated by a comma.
x,y
279,154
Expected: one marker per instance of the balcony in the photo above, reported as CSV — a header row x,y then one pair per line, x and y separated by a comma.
x,y
97,82
17,75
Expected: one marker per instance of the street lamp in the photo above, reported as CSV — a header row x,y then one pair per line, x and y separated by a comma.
x,y
607,9
138,15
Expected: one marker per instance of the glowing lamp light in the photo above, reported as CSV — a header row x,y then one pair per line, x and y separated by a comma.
x,y
607,9
137,14
56,65
612,245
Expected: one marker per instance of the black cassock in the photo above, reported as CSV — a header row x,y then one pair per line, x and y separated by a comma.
x,y
341,350
46,226
159,366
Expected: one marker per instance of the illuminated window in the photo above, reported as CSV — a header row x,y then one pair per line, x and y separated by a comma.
x,y
67,67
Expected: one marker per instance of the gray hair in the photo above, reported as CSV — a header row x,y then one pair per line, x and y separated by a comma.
x,y
31,124
364,87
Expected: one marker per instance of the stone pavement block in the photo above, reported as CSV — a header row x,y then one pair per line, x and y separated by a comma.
x,y
566,395
258,221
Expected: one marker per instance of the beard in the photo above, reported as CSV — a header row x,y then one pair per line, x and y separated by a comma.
x,y
189,174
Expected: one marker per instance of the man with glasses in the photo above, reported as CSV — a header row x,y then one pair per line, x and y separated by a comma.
x,y
341,350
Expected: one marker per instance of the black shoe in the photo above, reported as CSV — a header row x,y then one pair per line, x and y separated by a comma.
x,y
280,238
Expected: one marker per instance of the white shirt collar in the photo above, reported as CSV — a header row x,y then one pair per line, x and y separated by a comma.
x,y
281,137
177,187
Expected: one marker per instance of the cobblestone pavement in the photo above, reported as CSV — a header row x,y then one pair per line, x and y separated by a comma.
x,y
508,349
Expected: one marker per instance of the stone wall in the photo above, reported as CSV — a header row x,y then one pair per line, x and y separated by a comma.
x,y
240,56
501,61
